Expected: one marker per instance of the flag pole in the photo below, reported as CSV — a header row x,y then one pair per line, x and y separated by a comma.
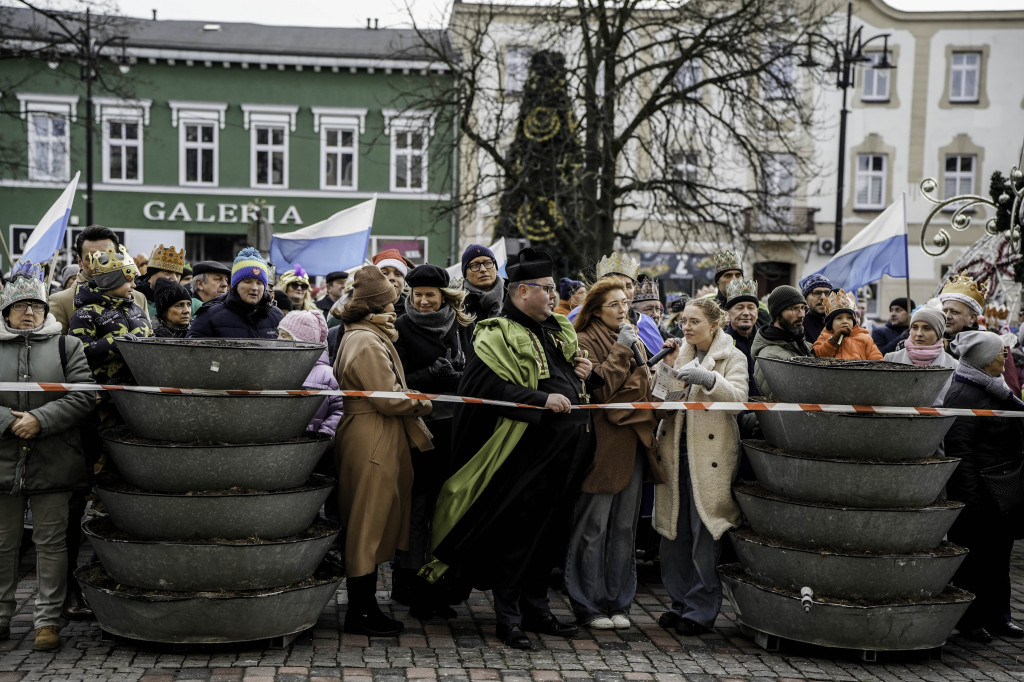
x,y
7,252
49,275
906,257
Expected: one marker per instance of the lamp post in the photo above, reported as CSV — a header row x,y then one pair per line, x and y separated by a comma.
x,y
845,57
89,53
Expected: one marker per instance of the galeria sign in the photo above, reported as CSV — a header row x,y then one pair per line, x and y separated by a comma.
x,y
216,213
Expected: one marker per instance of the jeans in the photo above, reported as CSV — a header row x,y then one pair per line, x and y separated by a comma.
x,y
49,527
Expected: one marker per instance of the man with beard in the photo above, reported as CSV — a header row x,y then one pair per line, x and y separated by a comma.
x,y
784,338
815,289
897,328
502,520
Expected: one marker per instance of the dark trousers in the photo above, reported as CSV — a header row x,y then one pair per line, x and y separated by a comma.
x,y
986,570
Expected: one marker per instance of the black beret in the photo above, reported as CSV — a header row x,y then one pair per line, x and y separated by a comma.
x,y
337,274
529,264
428,275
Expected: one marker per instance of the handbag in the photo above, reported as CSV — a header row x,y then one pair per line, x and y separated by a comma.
x,y
1005,483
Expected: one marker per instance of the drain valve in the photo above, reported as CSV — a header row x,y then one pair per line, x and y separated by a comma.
x,y
807,598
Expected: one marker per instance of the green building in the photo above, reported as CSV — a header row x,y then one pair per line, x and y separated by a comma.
x,y
201,129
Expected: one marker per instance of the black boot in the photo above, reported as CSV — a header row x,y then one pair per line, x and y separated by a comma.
x,y
428,600
364,616
402,584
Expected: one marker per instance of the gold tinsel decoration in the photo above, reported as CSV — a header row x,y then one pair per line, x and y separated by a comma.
x,y
541,124
534,224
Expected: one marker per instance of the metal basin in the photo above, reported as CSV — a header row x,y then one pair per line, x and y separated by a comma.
x,y
208,565
178,468
224,514
807,524
205,617
854,383
854,436
875,577
903,626
220,363
855,483
179,418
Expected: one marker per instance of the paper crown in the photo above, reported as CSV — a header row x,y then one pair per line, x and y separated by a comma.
x,y
740,290
110,261
167,258
840,300
646,290
26,284
725,261
964,289
618,263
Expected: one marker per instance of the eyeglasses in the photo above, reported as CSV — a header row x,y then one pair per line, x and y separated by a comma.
x,y
798,308
617,305
548,288
35,307
486,265
820,292
298,285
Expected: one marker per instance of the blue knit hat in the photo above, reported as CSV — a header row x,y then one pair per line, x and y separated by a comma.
x,y
812,282
475,251
567,287
249,264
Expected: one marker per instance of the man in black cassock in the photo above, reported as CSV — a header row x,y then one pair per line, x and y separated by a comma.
x,y
515,528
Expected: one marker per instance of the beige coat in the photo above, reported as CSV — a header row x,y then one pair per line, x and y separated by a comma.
x,y
372,449
62,305
712,443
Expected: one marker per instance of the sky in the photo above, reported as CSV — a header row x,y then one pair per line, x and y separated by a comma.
x,y
391,13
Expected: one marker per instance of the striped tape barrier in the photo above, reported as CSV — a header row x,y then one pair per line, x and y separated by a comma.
x,y
17,386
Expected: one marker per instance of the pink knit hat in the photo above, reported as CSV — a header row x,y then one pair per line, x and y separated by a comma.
x,y
305,325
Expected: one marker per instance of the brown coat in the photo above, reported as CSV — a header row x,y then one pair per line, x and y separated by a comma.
x,y
371,450
62,305
617,431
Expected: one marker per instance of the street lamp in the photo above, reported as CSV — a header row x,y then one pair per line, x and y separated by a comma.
x,y
845,56
89,54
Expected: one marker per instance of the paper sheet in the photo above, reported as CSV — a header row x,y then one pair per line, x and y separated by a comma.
x,y
666,386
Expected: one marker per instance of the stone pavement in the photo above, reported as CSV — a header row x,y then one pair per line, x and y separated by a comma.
x,y
465,650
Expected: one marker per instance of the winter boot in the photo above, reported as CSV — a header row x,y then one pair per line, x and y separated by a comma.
x,y
402,584
428,601
364,616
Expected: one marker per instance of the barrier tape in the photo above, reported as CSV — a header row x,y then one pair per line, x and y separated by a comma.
x,y
17,386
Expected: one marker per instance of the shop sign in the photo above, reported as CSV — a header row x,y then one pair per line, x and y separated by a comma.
x,y
216,213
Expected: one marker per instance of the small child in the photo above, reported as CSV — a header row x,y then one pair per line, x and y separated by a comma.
x,y
105,312
310,326
842,337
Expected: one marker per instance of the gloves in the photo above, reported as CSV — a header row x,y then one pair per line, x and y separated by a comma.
x,y
459,361
697,375
627,335
443,369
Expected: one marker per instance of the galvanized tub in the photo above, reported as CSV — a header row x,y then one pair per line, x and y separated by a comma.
x,y
222,514
180,418
854,383
848,576
854,436
250,364
847,482
179,468
207,565
204,617
880,626
807,524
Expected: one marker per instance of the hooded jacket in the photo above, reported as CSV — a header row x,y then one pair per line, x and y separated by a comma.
x,y
101,319
857,346
775,349
228,316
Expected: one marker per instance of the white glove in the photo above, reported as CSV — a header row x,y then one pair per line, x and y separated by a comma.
x,y
695,374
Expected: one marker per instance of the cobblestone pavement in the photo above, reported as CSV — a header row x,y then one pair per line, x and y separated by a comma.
x,y
465,650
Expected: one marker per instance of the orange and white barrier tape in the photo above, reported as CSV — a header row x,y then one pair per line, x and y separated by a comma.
x,y
17,386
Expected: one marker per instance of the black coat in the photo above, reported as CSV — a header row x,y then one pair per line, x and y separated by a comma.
x,y
228,316
419,347
888,337
814,323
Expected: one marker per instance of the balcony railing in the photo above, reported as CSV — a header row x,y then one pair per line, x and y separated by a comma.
x,y
782,220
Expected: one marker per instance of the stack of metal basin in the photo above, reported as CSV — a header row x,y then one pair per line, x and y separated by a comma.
x,y
844,544
212,532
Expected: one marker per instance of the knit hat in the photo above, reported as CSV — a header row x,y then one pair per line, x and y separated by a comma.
x,y
475,251
839,302
26,284
111,269
392,258
739,291
931,316
567,287
902,302
305,325
68,272
168,259
814,281
428,275
529,263
249,264
783,297
977,348
726,261
166,295
963,289
371,288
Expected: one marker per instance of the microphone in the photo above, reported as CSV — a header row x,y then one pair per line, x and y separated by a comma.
x,y
658,356
637,355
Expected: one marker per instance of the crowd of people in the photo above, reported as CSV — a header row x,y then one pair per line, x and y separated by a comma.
x,y
462,495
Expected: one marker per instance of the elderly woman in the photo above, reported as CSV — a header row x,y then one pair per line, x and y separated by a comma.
x,y
924,347
41,459
600,573
372,448
173,311
432,337
983,444
700,453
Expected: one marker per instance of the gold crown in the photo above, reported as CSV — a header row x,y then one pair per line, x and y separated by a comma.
x,y
962,287
725,261
103,262
741,287
167,258
647,290
618,264
840,300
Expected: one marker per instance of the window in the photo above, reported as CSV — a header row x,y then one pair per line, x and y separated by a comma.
x,y
410,133
269,126
779,183
959,175
339,130
870,182
122,150
876,81
688,76
778,74
48,118
517,68
964,76
198,124
685,170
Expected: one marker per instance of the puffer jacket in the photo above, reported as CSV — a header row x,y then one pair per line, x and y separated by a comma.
x,y
857,346
53,460
98,322
228,316
321,378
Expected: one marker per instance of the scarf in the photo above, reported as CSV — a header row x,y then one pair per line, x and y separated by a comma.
x,y
994,386
773,333
635,389
490,301
922,356
386,323
437,322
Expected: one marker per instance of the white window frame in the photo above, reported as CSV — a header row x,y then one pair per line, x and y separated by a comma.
x,y
37,169
780,76
340,119
875,82
108,144
780,184
962,70
183,114
258,116
867,179
516,69
689,74
53,106
114,110
685,164
959,176
401,122
184,145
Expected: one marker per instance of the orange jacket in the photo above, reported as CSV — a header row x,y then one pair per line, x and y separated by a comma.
x,y
856,346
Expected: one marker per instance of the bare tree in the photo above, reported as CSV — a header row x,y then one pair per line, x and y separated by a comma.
x,y
693,118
